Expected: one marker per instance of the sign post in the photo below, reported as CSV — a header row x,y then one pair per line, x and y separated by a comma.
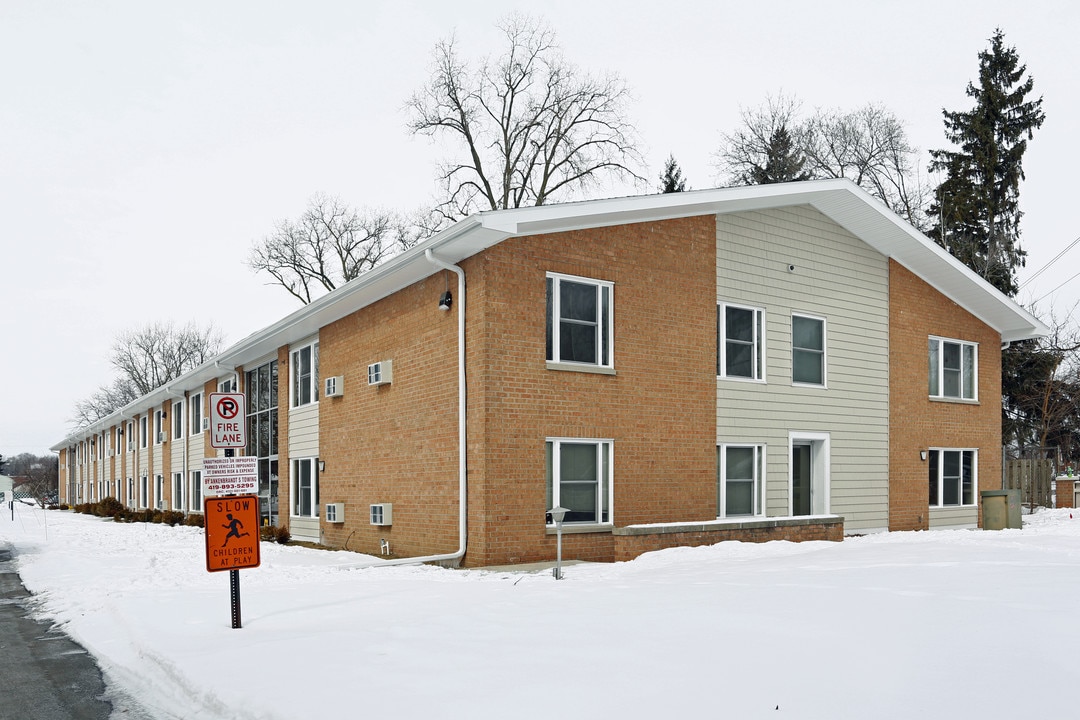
x,y
232,540
237,515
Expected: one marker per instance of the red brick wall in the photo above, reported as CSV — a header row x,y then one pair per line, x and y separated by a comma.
x,y
398,443
393,443
917,311
628,547
659,409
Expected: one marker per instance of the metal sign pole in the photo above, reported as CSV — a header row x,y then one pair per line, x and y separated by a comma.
x,y
234,596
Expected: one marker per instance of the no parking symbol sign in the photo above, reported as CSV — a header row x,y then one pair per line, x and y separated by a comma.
x,y
227,426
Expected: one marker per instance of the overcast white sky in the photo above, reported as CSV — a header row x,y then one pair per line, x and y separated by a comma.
x,y
145,146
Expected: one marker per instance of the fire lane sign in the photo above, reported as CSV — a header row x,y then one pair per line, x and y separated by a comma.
x,y
227,426
232,532
230,475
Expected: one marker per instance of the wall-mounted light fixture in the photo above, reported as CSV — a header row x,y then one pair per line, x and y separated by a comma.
x,y
922,455
446,301
322,465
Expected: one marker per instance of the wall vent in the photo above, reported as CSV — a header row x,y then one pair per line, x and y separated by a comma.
x,y
382,514
334,386
380,373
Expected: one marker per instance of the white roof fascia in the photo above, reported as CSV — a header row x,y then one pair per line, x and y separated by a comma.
x,y
845,203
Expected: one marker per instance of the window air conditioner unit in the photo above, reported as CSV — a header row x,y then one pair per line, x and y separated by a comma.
x,y
335,512
161,437
206,423
382,514
334,386
380,373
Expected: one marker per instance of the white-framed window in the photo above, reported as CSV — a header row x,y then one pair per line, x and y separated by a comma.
x,y
305,375
129,432
808,350
305,487
159,426
740,476
195,412
579,473
131,492
178,491
178,419
227,385
195,496
119,436
144,432
144,491
954,369
740,342
159,491
954,477
580,322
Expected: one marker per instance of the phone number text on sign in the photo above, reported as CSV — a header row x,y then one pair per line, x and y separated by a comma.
x,y
230,476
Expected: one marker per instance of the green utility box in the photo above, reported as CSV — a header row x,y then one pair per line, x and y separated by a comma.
x,y
1001,509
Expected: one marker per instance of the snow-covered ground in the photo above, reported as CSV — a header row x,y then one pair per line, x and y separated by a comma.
x,y
944,624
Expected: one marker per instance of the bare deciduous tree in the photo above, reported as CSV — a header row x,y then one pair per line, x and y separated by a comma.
x,y
147,358
530,125
330,244
868,146
42,471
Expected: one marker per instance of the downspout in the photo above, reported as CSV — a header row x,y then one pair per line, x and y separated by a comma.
x,y
462,468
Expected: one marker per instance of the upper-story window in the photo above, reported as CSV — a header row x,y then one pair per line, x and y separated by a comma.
x,y
579,321
953,371
195,412
305,375
740,342
227,386
807,350
178,419
143,433
159,427
129,433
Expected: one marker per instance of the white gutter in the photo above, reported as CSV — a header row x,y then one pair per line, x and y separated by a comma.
x,y
463,510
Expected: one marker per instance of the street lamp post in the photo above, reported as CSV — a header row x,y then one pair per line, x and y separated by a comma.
x,y
557,515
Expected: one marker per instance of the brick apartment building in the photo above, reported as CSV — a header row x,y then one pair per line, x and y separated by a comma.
x,y
782,361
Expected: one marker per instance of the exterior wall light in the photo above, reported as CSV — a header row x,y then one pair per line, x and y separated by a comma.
x,y
922,455
446,301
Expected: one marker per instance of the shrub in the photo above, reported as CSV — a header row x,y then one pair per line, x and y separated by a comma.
x,y
266,532
172,518
108,507
195,520
281,535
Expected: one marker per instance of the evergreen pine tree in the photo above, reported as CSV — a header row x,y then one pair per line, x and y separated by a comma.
x,y
783,163
671,180
977,206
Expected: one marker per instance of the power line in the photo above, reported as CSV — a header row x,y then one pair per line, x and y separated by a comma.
x,y
1047,265
1058,287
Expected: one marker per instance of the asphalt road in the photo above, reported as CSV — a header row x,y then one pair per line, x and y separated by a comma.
x,y
43,673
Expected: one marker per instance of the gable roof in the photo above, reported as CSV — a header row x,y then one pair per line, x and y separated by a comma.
x,y
846,204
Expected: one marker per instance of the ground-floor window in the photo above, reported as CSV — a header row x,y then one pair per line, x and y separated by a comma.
x,y
305,487
178,491
579,479
159,491
144,490
953,477
741,470
131,492
196,491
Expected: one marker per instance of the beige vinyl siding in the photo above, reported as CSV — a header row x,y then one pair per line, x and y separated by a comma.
x,y
304,529
838,278
304,431
954,517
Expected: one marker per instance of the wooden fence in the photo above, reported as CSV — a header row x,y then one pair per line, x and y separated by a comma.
x,y
1033,478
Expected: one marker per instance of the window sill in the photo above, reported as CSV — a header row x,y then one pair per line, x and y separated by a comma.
x,y
574,367
736,378
580,528
812,386
955,401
